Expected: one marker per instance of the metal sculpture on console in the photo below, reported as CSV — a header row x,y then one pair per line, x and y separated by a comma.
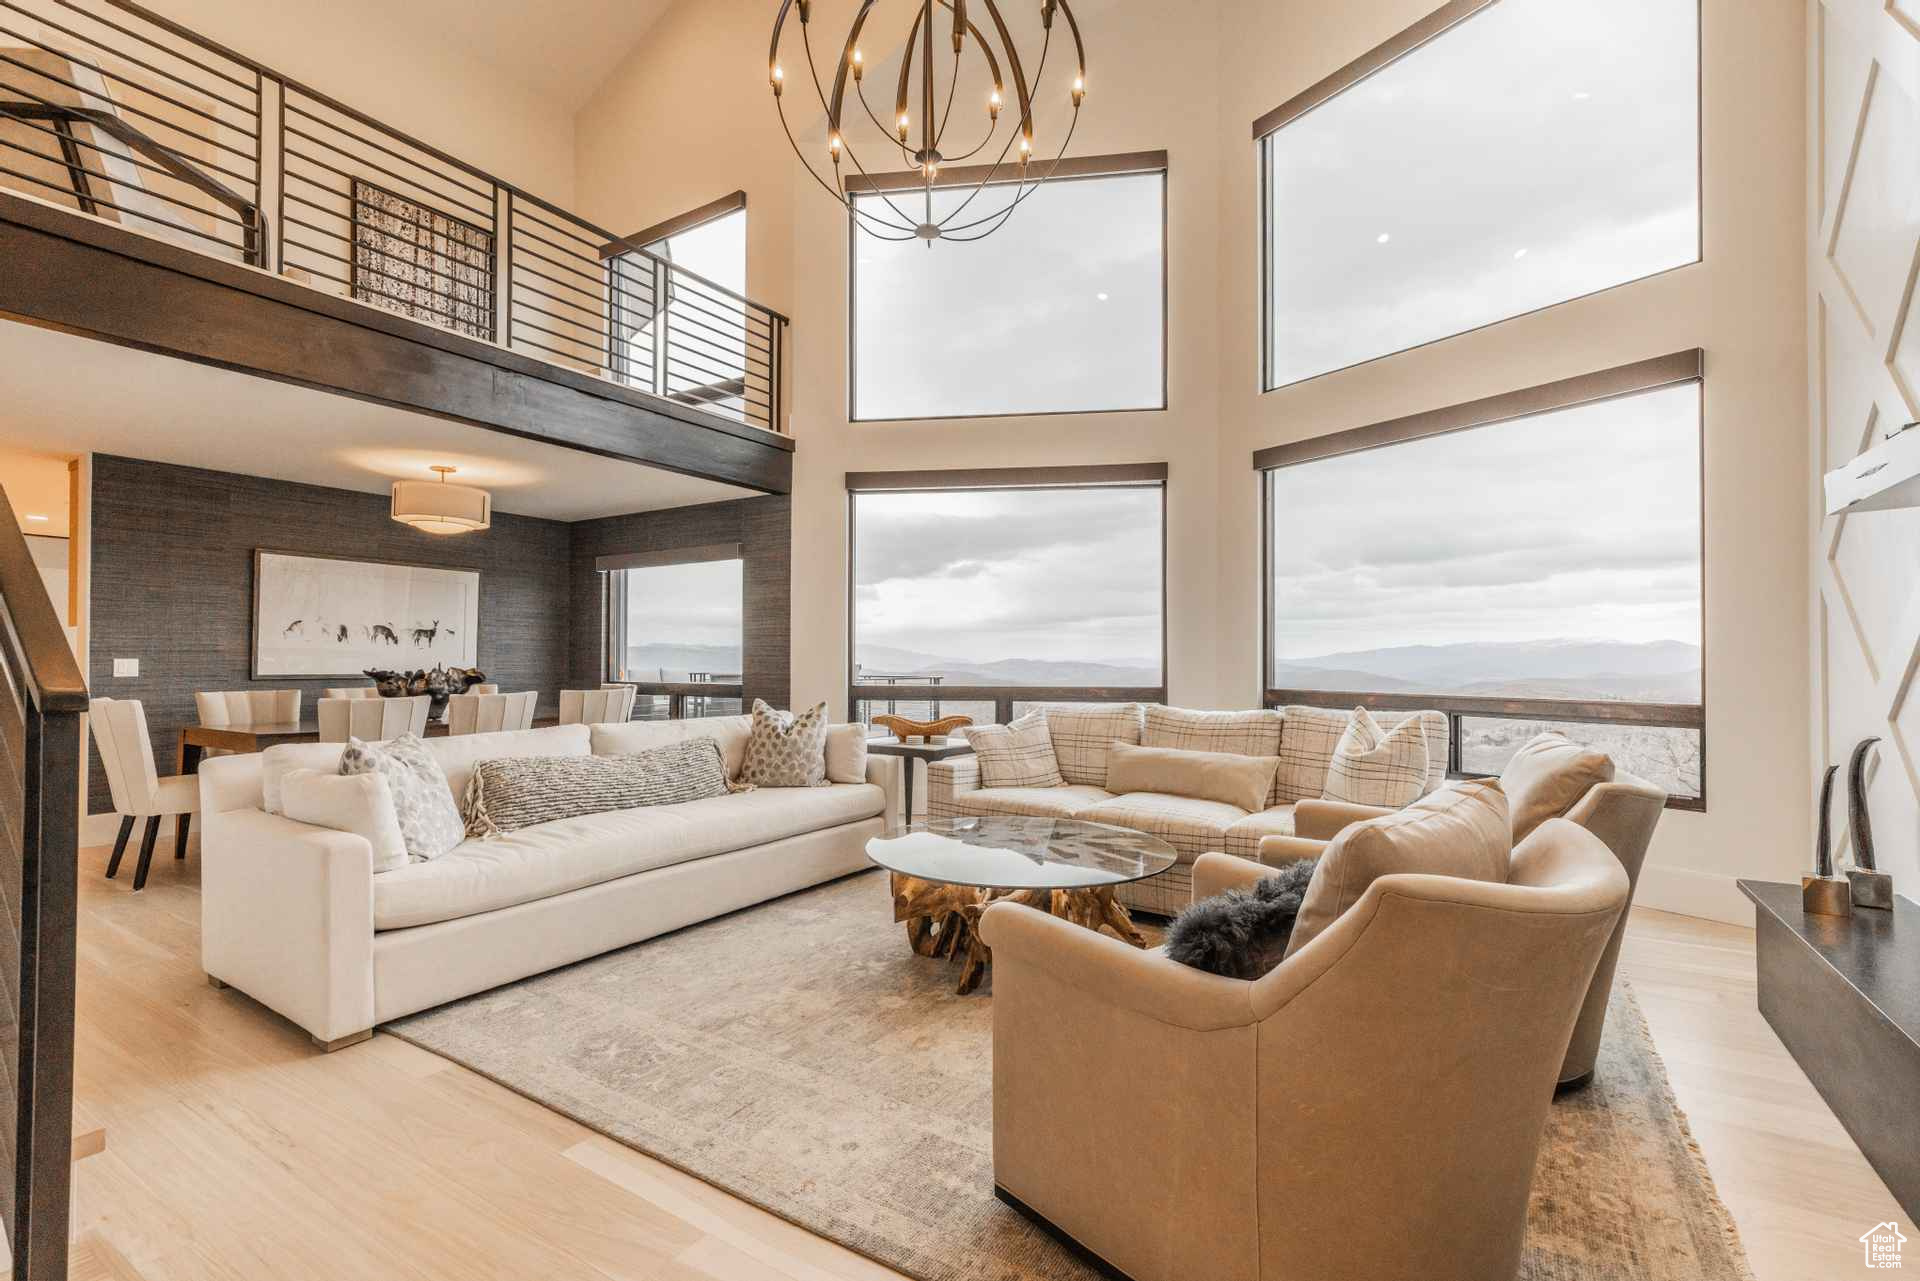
x,y
1871,887
921,103
1823,893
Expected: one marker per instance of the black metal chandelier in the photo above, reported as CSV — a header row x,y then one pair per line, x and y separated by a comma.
x,y
922,113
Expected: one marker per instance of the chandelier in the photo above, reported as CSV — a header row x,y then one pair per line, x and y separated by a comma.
x,y
922,111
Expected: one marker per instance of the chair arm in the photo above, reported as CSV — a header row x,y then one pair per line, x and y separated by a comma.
x,y
1322,820
1114,973
948,779
1215,874
286,916
884,772
1278,851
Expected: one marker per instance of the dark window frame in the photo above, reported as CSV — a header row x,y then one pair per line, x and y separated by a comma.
x,y
1660,372
1003,697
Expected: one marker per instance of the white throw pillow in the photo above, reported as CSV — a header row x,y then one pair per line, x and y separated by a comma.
x,y
1016,755
847,754
277,762
429,820
1370,767
357,803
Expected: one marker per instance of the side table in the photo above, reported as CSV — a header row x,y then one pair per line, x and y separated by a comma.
x,y
942,750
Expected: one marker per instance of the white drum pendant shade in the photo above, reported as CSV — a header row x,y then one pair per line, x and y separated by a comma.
x,y
440,508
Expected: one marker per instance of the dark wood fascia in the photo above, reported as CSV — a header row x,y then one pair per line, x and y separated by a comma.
x,y
78,275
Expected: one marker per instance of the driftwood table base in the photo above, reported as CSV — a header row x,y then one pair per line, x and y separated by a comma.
x,y
943,920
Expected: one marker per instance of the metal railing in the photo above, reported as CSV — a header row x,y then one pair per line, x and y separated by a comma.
x,y
871,694
118,112
40,754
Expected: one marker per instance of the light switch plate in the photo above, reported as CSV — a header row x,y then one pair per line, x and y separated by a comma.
x,y
126,667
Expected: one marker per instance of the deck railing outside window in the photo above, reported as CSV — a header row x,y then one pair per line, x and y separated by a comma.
x,y
117,112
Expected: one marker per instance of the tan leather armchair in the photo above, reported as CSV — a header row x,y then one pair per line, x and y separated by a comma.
x,y
1622,813
1371,1108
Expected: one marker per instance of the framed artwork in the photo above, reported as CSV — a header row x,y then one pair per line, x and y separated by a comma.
x,y
329,616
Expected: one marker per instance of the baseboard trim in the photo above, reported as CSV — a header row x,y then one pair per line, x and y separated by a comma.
x,y
1708,895
1073,1246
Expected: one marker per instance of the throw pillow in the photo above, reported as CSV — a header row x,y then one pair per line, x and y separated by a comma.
x,y
847,754
1243,933
784,750
1209,776
1016,755
429,820
1547,777
357,803
1082,733
519,791
1457,831
1371,767
277,762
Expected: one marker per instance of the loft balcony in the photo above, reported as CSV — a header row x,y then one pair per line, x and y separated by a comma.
x,y
162,191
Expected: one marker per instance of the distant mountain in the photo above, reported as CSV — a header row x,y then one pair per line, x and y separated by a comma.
x,y
880,660
1652,671
647,662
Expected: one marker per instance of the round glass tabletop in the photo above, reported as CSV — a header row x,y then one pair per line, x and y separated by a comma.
x,y
1009,853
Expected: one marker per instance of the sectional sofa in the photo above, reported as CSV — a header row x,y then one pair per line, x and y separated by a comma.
x,y
1303,738
294,916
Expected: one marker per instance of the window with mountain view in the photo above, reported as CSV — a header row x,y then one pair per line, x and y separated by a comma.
x,y
1555,557
1532,153
1003,589
677,624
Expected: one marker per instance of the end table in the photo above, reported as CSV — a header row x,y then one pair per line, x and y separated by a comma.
x,y
942,750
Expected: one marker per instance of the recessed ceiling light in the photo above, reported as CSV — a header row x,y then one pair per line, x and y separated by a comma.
x,y
1382,238
35,516
1101,296
1518,254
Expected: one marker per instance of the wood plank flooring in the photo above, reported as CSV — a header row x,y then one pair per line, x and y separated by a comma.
x,y
233,1150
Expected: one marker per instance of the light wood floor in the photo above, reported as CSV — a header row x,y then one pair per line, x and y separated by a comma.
x,y
233,1150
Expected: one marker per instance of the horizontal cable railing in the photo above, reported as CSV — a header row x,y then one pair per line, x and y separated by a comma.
x,y
1662,742
112,110
986,704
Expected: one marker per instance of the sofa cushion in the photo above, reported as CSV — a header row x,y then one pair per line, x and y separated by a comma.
x,y
1082,733
730,732
1192,826
847,753
524,791
1031,802
1211,776
1016,755
1457,831
1372,766
554,858
1308,736
1244,837
1547,777
1248,733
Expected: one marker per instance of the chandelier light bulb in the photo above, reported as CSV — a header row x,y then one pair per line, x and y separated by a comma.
x,y
994,103
859,63
833,145
1079,89
905,122
779,78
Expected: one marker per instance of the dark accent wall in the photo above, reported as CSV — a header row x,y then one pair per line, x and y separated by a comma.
x,y
764,529
173,585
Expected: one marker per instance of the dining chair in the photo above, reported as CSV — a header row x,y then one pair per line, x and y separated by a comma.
x,y
481,689
601,706
489,713
352,691
372,719
126,751
245,708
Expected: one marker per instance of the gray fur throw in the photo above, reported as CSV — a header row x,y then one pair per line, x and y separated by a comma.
x,y
520,791
1243,933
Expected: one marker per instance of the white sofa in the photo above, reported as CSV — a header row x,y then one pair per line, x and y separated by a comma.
x,y
294,916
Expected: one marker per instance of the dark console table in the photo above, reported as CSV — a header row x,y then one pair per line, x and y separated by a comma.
x,y
1843,992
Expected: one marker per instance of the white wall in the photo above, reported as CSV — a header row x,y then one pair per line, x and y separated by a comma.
x,y
1863,83
1192,82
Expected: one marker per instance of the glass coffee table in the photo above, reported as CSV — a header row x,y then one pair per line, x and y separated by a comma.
x,y
946,871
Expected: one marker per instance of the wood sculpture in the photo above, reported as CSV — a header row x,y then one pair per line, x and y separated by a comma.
x,y
908,730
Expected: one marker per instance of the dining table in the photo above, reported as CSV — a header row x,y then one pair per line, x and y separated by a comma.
x,y
197,740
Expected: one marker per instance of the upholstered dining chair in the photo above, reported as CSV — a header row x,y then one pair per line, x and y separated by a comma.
x,y
489,713
351,691
596,706
371,719
1372,1107
1548,777
245,708
126,752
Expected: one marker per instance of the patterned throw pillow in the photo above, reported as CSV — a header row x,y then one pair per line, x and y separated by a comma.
x,y
784,750
429,820
519,791
1016,755
1372,767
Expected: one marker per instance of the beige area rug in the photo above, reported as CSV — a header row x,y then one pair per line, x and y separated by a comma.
x,y
800,1057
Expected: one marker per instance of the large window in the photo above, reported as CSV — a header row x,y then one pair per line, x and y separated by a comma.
x,y
1518,572
675,629
1060,310
974,590
1529,153
689,337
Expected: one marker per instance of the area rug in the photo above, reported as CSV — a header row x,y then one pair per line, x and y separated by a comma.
x,y
800,1057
